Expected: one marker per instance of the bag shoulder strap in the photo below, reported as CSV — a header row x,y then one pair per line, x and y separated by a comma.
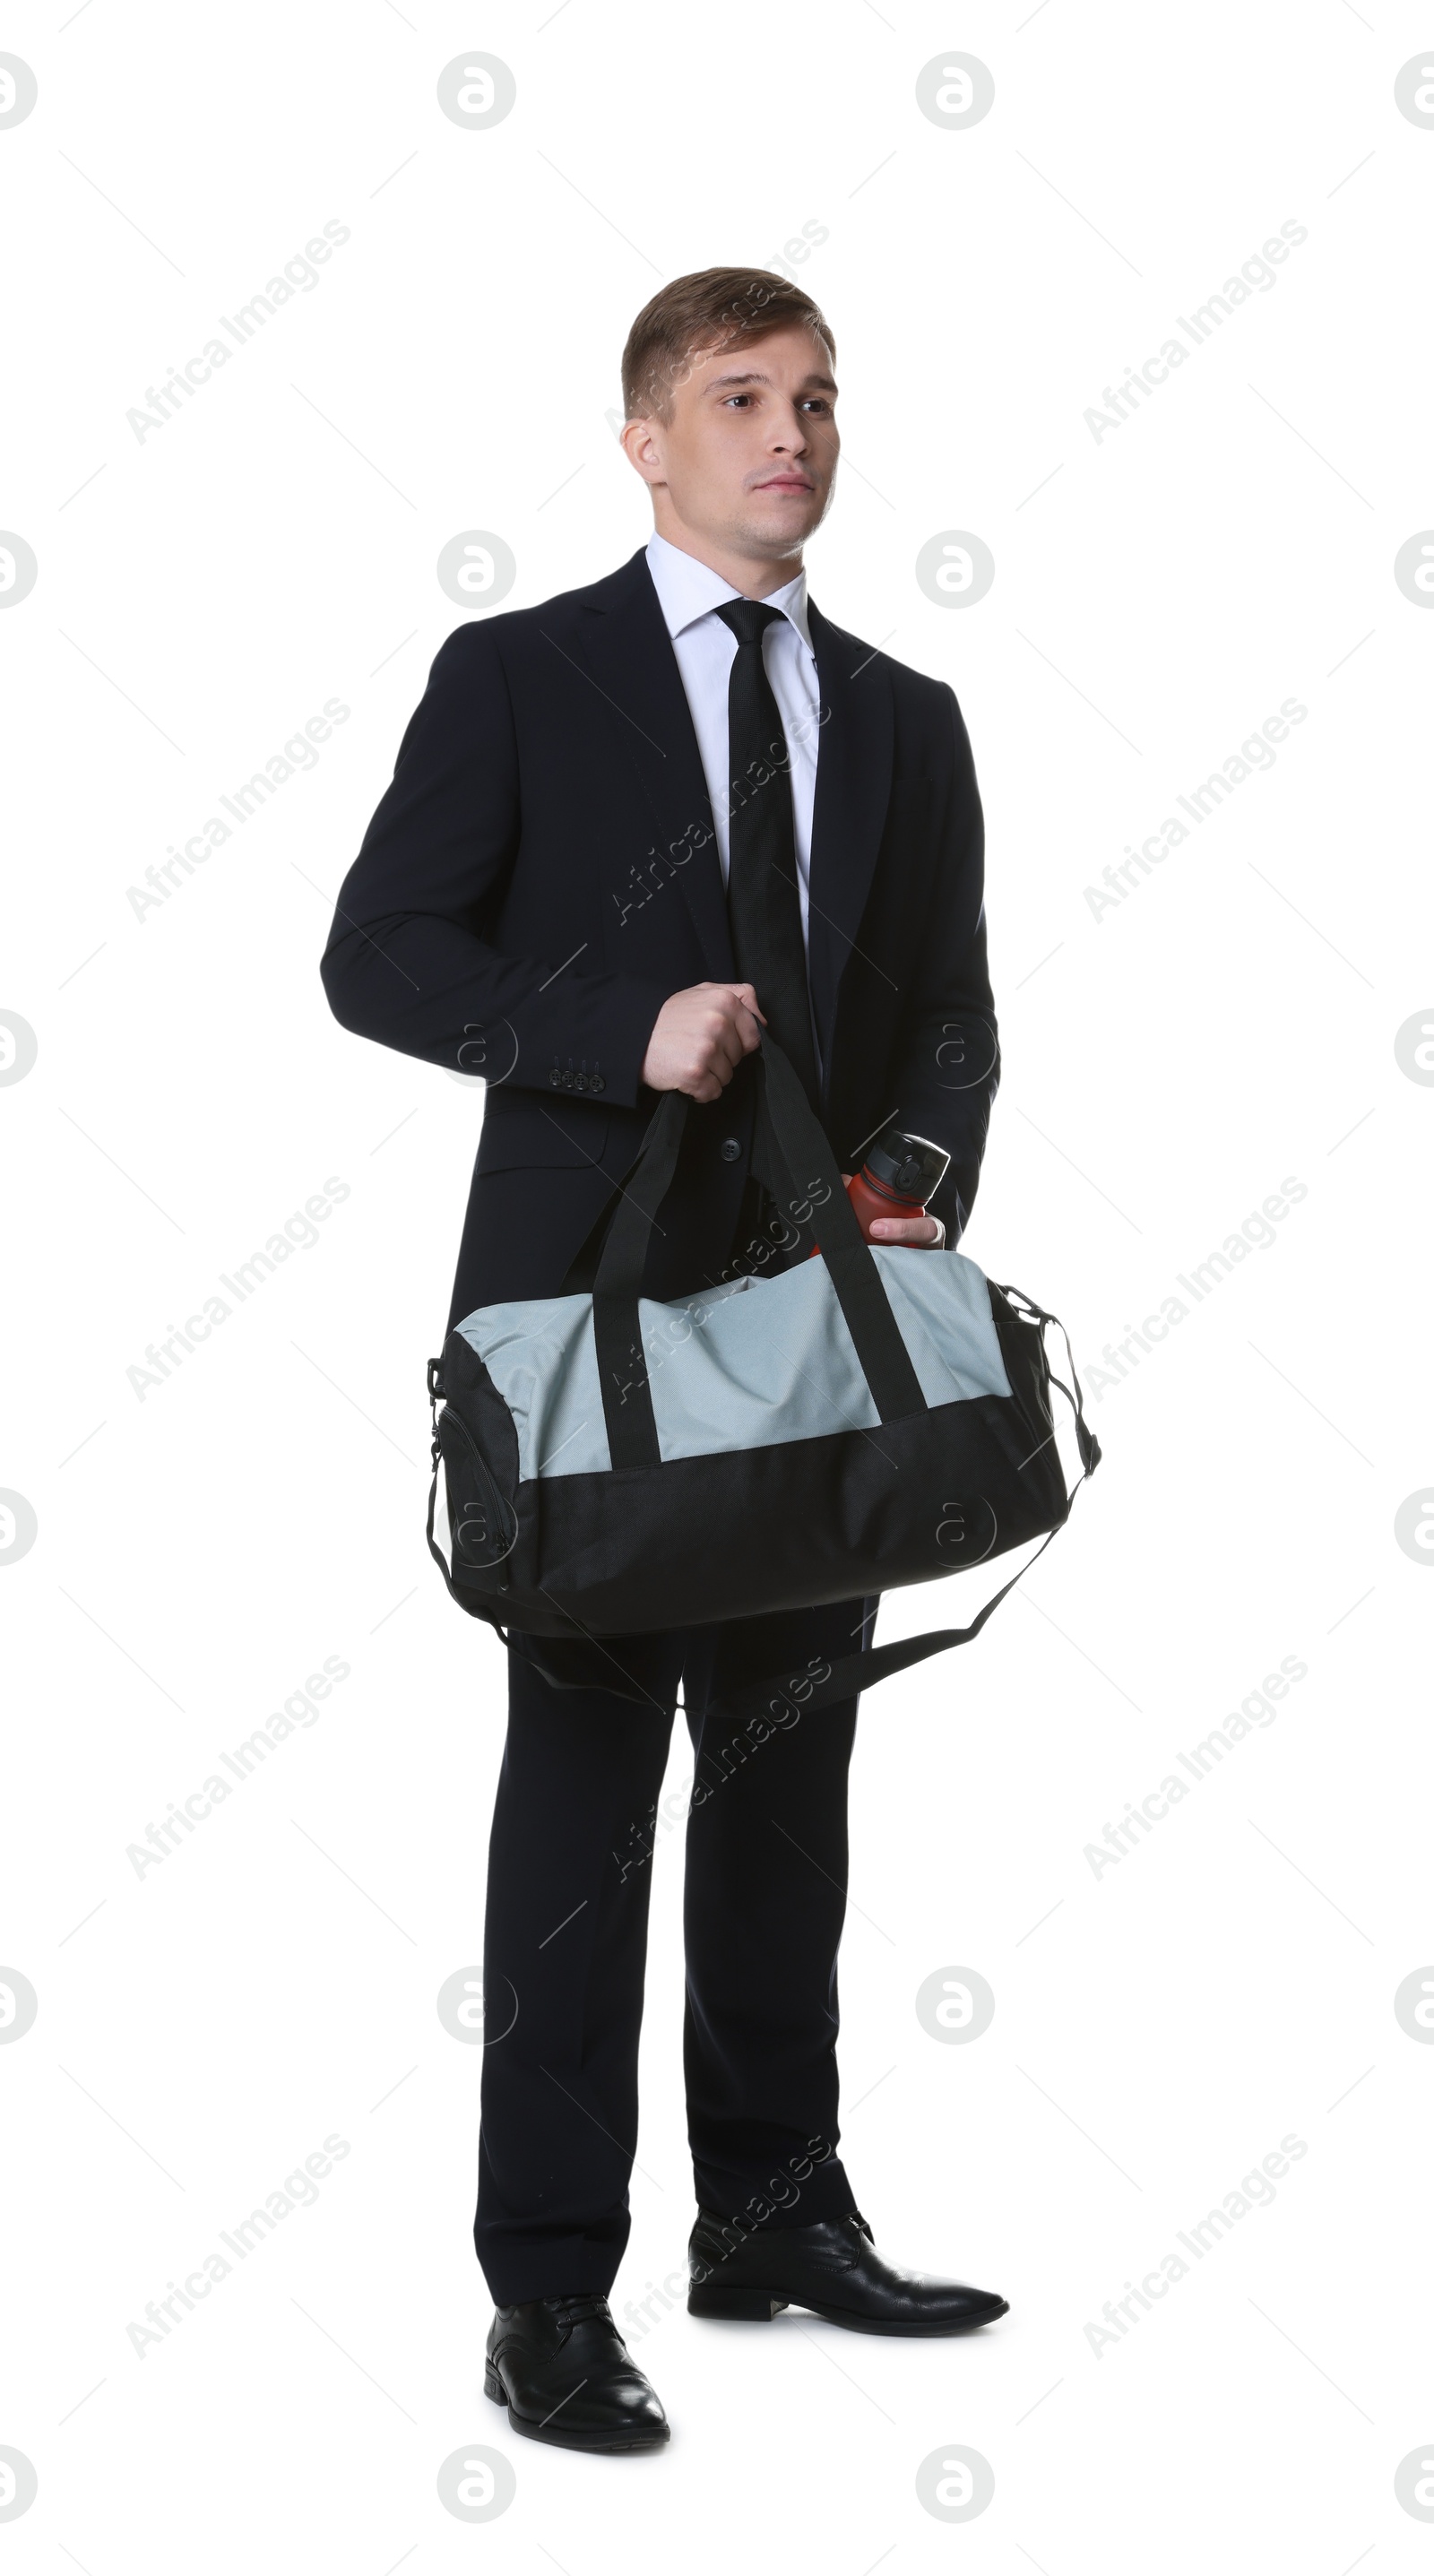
x,y
849,1674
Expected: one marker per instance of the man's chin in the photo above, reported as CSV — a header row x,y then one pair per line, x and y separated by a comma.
x,y
781,531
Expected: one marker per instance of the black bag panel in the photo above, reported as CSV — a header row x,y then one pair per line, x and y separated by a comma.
x,y
692,1541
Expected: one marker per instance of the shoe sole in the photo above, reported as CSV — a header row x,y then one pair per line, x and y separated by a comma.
x,y
493,2388
758,2307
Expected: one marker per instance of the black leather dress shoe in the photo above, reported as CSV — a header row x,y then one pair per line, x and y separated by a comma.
x,y
565,2375
834,2269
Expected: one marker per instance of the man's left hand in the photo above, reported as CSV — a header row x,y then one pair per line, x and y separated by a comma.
x,y
906,1229
925,1230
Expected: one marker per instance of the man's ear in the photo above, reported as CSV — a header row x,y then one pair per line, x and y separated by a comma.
x,y
641,442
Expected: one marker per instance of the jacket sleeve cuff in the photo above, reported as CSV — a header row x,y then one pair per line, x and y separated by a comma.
x,y
611,1033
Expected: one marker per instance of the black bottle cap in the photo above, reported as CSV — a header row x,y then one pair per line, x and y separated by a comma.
x,y
906,1166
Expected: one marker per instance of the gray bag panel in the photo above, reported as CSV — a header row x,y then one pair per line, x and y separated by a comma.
x,y
743,1366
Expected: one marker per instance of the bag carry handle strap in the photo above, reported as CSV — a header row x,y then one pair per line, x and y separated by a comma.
x,y
617,1334
622,1363
640,1195
803,1144
801,1140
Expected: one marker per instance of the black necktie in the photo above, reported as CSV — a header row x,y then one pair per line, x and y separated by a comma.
x,y
763,903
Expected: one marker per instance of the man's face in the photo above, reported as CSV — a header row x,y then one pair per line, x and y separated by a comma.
x,y
748,457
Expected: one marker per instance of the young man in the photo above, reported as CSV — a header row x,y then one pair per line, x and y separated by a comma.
x,y
628,830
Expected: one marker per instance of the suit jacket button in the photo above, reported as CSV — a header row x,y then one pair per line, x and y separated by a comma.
x,y
729,1149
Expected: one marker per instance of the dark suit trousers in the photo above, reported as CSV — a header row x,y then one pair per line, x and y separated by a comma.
x,y
575,1839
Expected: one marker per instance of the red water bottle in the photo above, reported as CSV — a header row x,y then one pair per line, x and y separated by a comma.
x,y
900,1174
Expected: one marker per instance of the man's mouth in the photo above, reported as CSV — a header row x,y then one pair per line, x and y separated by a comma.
x,y
786,483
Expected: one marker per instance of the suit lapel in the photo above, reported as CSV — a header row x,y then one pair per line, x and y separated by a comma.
x,y
854,762
627,653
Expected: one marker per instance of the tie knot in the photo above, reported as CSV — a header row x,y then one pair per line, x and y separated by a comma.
x,y
748,618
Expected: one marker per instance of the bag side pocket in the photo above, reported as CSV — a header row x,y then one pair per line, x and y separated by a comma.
x,y
482,1524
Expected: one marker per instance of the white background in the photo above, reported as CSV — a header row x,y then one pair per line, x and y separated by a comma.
x,y
1158,593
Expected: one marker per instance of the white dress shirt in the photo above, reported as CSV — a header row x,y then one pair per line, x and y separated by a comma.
x,y
689,592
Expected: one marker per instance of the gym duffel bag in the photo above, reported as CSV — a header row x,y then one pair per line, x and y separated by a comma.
x,y
876,1417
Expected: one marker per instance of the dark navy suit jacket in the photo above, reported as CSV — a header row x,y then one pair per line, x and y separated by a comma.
x,y
543,872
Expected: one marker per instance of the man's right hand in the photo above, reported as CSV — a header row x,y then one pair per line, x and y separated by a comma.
x,y
700,1038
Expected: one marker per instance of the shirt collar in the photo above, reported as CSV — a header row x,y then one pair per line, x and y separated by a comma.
x,y
688,589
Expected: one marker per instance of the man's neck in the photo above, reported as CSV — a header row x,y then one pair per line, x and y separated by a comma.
x,y
754,577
